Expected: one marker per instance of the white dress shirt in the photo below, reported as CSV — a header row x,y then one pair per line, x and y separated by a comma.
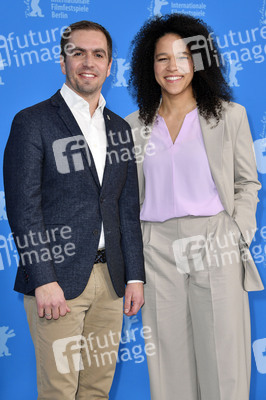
x,y
93,129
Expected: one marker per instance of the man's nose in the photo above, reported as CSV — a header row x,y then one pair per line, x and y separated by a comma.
x,y
88,60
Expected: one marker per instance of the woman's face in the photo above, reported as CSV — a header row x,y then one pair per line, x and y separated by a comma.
x,y
173,65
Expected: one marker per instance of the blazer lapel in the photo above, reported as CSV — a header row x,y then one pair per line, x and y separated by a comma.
x,y
71,124
110,146
213,137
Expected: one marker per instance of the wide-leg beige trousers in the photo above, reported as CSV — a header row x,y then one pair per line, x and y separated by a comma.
x,y
197,309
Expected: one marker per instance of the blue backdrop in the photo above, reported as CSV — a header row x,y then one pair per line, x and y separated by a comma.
x,y
30,72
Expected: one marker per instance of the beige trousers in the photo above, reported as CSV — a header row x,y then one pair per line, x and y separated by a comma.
x,y
76,354
197,309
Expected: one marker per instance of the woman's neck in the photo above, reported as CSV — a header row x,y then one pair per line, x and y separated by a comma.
x,y
177,106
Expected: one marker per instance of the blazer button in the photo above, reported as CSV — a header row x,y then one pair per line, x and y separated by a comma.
x,y
96,232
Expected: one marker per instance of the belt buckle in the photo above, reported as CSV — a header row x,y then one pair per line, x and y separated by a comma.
x,y
100,257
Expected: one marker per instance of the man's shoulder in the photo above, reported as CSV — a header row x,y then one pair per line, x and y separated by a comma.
x,y
38,110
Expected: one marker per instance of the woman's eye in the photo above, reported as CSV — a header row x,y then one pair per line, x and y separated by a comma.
x,y
182,58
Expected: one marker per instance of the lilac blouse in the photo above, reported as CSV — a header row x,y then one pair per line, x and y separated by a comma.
x,y
178,180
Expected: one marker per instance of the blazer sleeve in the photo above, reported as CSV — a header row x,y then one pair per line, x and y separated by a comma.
x,y
129,210
23,160
246,184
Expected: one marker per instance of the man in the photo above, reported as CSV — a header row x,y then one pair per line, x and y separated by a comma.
x,y
72,204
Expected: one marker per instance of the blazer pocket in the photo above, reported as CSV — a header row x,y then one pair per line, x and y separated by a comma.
x,y
232,226
235,228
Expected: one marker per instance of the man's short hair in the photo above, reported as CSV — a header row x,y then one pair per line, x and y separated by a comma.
x,y
88,26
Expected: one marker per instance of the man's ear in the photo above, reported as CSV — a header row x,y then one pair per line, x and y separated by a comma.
x,y
63,64
109,67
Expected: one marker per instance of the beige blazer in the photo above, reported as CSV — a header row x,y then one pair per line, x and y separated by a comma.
x,y
229,149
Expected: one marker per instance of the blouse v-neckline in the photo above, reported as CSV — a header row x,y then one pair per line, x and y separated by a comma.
x,y
186,120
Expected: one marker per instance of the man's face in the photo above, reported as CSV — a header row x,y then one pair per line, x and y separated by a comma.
x,y
86,64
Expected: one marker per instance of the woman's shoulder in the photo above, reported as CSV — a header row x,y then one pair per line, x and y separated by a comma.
x,y
140,132
234,116
133,119
233,110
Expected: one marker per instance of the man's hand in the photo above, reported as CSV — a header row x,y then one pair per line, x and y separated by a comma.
x,y
134,298
51,302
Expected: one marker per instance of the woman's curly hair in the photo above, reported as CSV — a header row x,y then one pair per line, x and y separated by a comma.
x,y
209,85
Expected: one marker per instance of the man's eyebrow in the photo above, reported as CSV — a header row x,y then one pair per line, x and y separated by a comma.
x,y
77,49
100,50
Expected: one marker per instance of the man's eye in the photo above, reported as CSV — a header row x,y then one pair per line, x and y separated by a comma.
x,y
162,59
99,55
77,53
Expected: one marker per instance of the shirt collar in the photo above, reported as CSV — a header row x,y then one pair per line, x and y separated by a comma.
x,y
74,101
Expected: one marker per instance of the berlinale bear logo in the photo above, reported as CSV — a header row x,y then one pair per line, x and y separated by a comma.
x,y
156,7
33,8
4,336
120,67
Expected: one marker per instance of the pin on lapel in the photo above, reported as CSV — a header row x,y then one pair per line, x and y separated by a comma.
x,y
108,117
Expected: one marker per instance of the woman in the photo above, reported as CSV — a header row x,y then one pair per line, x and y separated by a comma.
x,y
198,193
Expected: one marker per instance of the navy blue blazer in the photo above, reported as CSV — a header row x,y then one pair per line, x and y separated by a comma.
x,y
55,203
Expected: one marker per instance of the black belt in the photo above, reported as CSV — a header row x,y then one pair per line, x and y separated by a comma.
x,y
100,257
